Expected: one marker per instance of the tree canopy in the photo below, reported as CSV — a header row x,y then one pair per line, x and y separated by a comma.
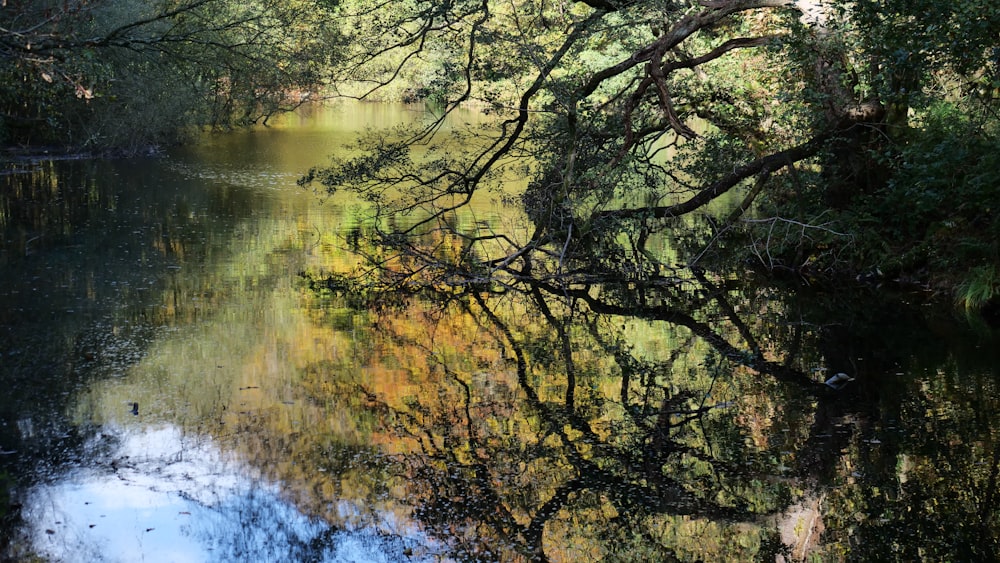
x,y
634,115
99,74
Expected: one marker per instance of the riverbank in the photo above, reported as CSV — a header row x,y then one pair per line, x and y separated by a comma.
x,y
11,158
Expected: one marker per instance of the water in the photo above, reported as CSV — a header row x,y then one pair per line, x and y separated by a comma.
x,y
176,391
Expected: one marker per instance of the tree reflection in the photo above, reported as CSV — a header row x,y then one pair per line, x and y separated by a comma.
x,y
568,442
544,412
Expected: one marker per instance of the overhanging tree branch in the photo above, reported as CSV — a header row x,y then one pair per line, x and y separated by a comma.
x,y
764,165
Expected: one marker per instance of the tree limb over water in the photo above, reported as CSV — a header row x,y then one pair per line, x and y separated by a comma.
x,y
760,167
639,119
589,128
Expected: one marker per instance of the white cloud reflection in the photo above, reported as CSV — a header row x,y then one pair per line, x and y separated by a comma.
x,y
166,497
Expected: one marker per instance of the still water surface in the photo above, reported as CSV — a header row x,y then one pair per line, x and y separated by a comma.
x,y
174,390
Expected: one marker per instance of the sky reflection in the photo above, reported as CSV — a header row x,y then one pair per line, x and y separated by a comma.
x,y
163,496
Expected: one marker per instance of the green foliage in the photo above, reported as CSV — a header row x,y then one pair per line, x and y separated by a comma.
x,y
124,75
917,187
934,218
941,201
981,287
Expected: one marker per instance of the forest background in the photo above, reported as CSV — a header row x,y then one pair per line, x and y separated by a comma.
x,y
858,138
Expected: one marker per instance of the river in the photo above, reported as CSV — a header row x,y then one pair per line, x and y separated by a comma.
x,y
175,389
